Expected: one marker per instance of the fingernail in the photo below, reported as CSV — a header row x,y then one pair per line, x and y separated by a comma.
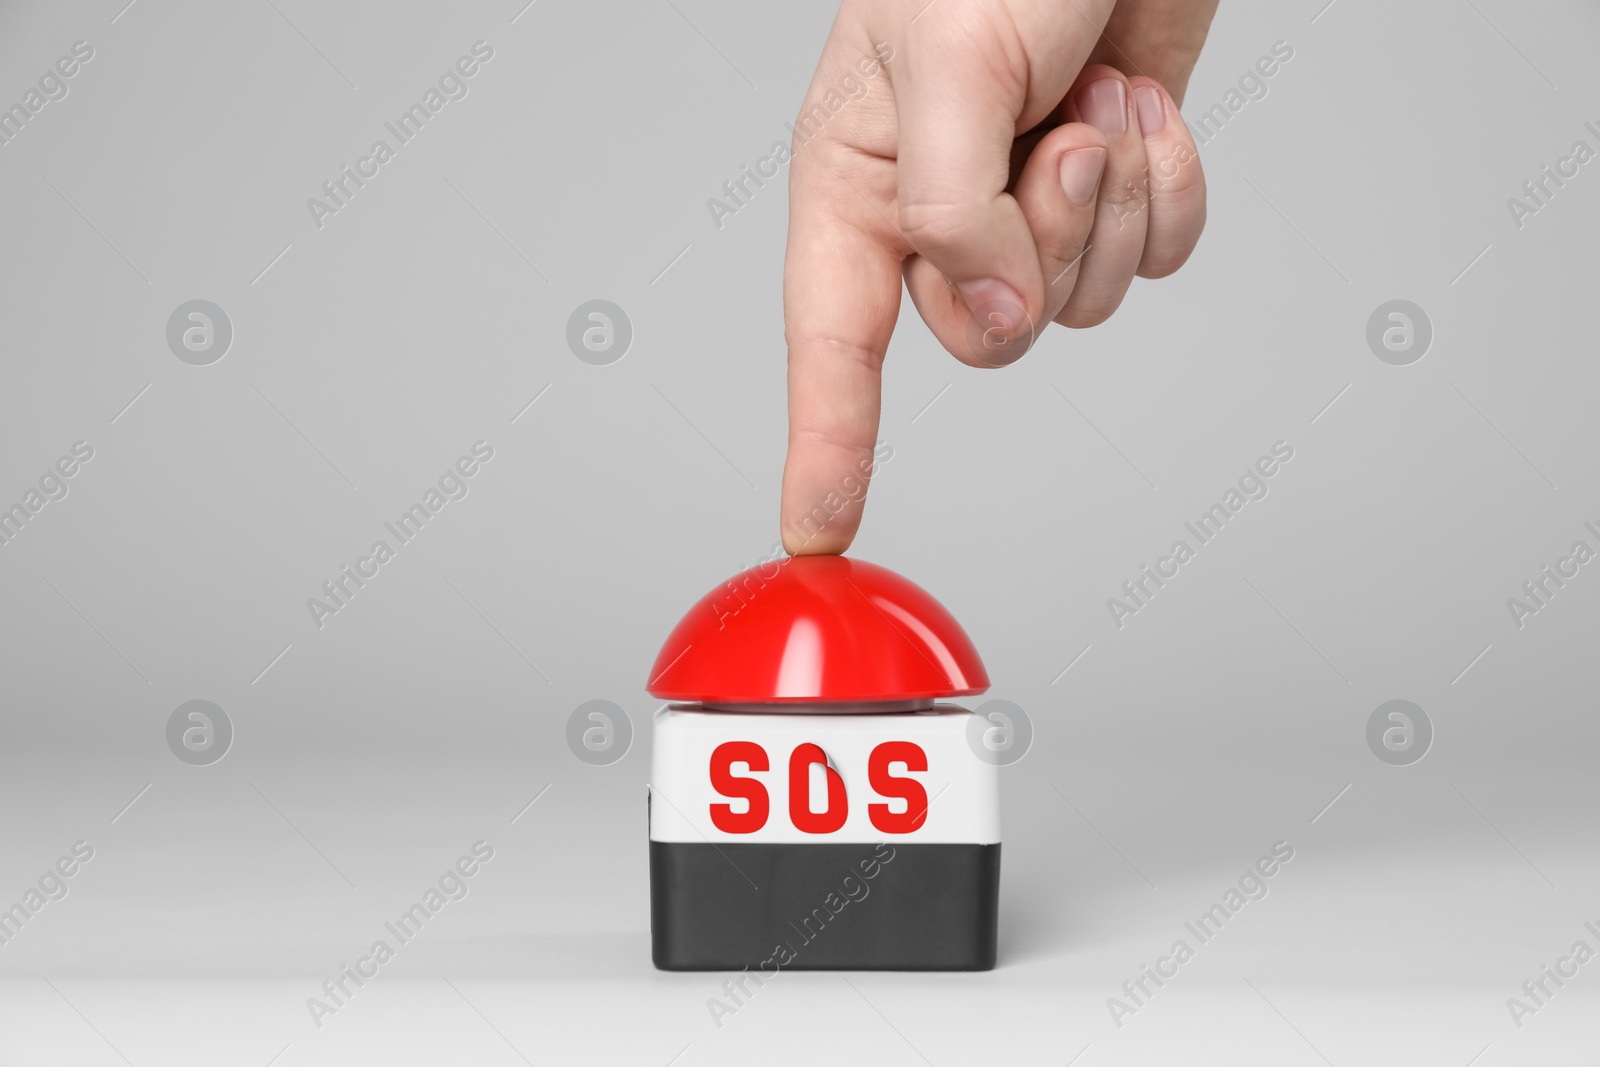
x,y
998,304
1152,112
1080,173
1104,106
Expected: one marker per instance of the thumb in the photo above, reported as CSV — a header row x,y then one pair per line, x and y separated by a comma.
x,y
968,86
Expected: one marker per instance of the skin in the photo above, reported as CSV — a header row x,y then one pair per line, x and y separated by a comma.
x,y
944,146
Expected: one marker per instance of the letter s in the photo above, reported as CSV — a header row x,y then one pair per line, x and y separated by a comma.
x,y
908,789
483,50
754,817
83,50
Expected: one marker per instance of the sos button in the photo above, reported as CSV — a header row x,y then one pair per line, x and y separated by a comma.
x,y
812,803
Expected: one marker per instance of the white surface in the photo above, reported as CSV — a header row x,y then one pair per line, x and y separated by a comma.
x,y
205,921
1017,1016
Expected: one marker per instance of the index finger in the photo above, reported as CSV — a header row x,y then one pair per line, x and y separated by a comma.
x,y
841,296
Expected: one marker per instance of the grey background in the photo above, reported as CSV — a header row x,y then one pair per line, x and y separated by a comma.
x,y
370,354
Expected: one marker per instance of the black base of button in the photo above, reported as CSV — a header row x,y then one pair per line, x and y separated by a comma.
x,y
771,907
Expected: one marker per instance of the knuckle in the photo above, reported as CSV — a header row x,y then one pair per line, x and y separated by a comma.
x,y
1176,170
1063,258
938,224
1130,190
1083,318
1163,262
867,355
1176,229
1161,268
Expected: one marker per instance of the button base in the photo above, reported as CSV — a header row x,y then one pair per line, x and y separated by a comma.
x,y
773,907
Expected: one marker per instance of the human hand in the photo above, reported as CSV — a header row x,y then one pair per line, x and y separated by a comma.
x,y
1016,161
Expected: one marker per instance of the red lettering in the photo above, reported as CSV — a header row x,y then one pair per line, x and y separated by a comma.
x,y
800,813
908,789
754,817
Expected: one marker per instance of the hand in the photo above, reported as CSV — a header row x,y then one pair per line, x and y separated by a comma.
x,y
1016,161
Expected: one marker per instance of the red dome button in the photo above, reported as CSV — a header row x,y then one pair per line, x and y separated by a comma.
x,y
817,629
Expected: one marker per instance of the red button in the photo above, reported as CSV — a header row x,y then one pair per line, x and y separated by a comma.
x,y
817,629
